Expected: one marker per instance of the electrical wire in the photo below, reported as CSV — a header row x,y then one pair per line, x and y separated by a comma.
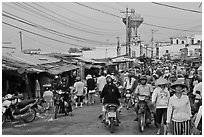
x,y
142,23
58,33
101,42
107,6
41,35
74,20
98,10
166,5
70,24
59,21
82,15
41,42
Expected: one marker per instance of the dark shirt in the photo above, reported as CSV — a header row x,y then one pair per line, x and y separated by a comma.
x,y
111,94
91,84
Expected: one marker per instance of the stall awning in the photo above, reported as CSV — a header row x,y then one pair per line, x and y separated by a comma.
x,y
87,66
61,69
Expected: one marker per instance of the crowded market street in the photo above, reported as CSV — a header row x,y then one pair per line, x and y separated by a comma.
x,y
101,68
84,121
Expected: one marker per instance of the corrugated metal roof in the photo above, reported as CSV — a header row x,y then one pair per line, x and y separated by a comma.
x,y
34,63
31,59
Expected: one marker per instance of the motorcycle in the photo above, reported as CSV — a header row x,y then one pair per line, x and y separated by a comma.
x,y
143,119
24,110
111,117
61,104
128,98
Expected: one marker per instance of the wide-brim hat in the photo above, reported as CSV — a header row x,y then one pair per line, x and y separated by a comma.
x,y
78,78
179,82
143,77
161,81
200,68
21,70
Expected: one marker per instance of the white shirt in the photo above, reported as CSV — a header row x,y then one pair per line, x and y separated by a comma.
x,y
179,109
129,84
79,88
161,97
101,81
198,87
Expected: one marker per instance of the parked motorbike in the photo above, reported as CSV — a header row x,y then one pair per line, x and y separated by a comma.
x,y
24,110
61,104
143,119
111,117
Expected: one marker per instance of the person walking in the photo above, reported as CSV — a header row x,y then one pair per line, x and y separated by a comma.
x,y
91,85
101,82
179,110
79,91
160,98
48,96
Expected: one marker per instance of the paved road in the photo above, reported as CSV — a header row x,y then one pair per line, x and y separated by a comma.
x,y
84,121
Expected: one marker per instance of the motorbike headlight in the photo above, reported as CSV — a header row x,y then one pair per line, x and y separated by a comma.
x,y
141,97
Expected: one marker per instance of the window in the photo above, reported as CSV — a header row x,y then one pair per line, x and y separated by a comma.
x,y
192,41
171,41
182,42
177,42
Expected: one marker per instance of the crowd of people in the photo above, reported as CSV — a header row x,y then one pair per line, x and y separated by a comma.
x,y
172,89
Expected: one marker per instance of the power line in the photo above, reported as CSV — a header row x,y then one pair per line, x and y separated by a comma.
x,y
47,29
98,10
54,19
169,27
41,35
72,25
142,23
82,15
41,42
101,42
176,7
108,6
158,17
72,19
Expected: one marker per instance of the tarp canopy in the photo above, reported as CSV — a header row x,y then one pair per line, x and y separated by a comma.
x,y
89,66
61,69
10,63
88,60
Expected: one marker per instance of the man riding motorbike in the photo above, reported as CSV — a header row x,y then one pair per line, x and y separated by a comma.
x,y
110,95
143,89
129,85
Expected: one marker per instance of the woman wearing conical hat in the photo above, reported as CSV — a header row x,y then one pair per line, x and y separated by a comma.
x,y
179,109
160,98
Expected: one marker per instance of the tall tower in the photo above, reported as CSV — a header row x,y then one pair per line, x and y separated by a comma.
x,y
135,20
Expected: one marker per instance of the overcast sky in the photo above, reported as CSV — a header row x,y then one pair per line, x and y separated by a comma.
x,y
93,24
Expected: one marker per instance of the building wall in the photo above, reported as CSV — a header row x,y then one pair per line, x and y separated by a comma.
x,y
197,38
175,49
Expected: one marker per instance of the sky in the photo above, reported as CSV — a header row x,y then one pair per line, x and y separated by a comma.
x,y
58,26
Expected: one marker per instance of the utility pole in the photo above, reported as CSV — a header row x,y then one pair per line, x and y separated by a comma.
x,y
127,31
146,49
106,49
152,42
141,51
21,42
118,46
